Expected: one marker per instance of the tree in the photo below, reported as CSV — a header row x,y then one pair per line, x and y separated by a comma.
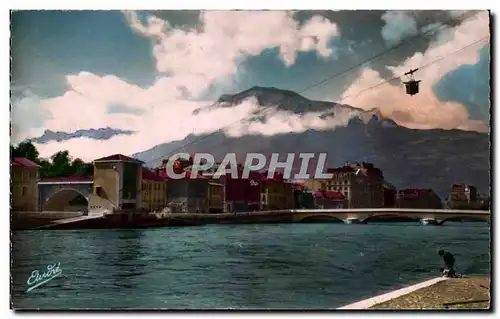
x,y
59,165
80,168
27,150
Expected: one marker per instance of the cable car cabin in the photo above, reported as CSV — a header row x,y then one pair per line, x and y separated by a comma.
x,y
411,84
412,87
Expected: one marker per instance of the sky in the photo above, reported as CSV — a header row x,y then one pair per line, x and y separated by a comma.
x,y
148,71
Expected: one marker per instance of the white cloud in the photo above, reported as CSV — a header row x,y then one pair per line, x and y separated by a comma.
x,y
166,124
424,110
398,25
198,58
190,61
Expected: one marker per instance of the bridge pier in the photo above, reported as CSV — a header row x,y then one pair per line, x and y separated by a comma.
x,y
429,221
353,220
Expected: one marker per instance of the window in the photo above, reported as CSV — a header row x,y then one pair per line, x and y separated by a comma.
x,y
24,191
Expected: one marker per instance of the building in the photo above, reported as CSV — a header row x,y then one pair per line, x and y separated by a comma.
x,y
187,195
418,198
239,194
360,183
215,197
209,174
25,175
243,194
303,198
154,191
276,193
117,179
329,200
390,195
464,196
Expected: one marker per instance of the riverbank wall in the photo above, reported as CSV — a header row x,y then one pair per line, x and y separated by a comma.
x,y
140,220
131,219
434,294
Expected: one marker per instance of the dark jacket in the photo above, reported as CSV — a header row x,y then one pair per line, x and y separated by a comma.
x,y
449,260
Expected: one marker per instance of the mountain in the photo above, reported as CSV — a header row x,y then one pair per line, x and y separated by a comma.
x,y
409,158
96,134
281,99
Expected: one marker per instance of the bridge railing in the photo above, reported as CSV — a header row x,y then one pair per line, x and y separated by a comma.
x,y
392,210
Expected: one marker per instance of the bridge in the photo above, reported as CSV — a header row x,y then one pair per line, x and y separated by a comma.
x,y
366,215
55,194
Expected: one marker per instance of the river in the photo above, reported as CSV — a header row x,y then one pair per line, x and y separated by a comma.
x,y
238,266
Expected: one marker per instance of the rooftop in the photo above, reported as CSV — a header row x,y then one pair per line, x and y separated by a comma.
x,y
151,176
24,162
329,195
116,158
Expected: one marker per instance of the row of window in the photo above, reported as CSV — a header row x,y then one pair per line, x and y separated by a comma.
x,y
154,186
338,189
26,175
341,182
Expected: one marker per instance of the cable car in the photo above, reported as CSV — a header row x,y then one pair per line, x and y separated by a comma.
x,y
411,84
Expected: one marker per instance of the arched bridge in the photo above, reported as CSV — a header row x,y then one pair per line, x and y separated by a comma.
x,y
366,215
55,194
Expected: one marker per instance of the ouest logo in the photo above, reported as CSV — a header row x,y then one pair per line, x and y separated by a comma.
x,y
39,278
253,162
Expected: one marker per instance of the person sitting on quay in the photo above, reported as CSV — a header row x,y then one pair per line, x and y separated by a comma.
x,y
449,262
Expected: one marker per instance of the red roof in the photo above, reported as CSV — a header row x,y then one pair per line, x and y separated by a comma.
x,y
117,157
277,177
67,179
24,162
298,186
329,195
164,176
151,176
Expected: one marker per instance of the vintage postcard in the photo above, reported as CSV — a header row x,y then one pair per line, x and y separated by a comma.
x,y
250,159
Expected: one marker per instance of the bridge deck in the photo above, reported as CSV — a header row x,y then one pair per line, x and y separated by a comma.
x,y
389,210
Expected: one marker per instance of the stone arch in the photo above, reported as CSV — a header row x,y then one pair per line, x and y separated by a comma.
x,y
321,218
60,199
400,217
480,218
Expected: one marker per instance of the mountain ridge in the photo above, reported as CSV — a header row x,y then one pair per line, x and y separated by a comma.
x,y
409,157
98,134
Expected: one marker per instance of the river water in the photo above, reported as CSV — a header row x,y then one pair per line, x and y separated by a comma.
x,y
238,266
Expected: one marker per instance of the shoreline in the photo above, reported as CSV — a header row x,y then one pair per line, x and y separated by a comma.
x,y
77,220
435,294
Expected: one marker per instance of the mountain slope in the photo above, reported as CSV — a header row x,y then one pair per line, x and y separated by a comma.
x,y
408,158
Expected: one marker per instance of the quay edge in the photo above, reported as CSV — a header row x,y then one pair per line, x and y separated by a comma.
x,y
437,294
